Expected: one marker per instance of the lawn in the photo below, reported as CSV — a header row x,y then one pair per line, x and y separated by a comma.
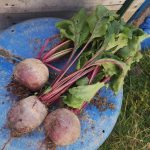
x,y
132,131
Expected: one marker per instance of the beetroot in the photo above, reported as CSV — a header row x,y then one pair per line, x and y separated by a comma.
x,y
62,126
31,73
26,115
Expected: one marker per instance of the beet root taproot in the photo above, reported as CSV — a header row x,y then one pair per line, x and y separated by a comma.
x,y
31,73
62,127
26,115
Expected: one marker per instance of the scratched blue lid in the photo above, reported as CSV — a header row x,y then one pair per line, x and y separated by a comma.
x,y
25,40
145,26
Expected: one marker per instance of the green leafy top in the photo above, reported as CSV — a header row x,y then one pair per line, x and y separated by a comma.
x,y
75,29
114,43
99,20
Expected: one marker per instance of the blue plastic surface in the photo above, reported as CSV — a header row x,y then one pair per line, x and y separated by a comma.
x,y
145,45
146,28
25,40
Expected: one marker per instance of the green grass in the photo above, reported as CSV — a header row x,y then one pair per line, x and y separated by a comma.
x,y
132,131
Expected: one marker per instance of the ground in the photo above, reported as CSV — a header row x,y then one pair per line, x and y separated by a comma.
x,y
132,131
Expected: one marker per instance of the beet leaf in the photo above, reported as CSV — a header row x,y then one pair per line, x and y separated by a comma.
x,y
77,95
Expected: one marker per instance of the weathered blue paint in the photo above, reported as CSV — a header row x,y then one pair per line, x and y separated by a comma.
x,y
24,40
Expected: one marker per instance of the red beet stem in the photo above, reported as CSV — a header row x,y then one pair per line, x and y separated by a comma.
x,y
53,99
54,68
66,79
68,67
105,79
69,60
45,45
70,76
55,96
58,55
53,50
68,84
94,73
52,93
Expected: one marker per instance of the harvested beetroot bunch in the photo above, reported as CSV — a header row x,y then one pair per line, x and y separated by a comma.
x,y
104,47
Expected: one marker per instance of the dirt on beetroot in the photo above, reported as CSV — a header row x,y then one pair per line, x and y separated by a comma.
x,y
18,90
50,144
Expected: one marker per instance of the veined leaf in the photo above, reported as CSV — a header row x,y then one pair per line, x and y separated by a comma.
x,y
77,95
99,20
75,29
72,101
86,92
113,29
119,41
